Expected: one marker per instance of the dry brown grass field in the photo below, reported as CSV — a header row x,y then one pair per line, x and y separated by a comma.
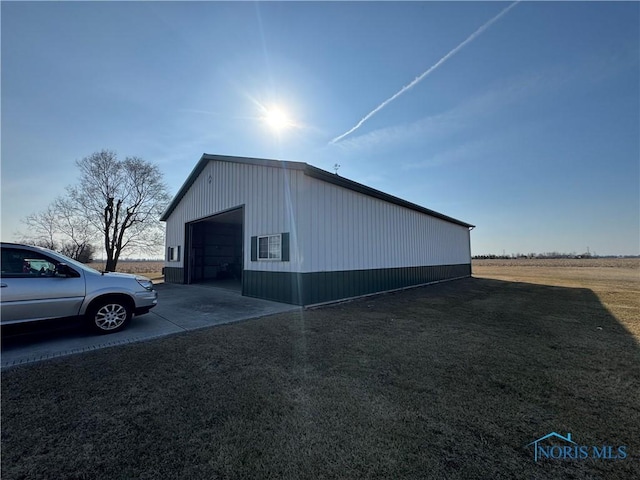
x,y
148,268
615,281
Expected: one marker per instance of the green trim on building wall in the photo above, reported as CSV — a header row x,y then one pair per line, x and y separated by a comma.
x,y
173,275
319,287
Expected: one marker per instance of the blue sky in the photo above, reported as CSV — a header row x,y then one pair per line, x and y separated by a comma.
x,y
531,130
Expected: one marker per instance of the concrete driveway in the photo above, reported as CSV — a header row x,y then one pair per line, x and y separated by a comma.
x,y
180,308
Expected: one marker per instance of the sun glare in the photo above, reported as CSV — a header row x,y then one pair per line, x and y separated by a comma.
x,y
277,119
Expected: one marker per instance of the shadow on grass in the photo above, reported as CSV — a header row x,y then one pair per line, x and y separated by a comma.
x,y
446,381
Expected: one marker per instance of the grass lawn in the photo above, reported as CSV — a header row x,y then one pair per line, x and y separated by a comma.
x,y
446,381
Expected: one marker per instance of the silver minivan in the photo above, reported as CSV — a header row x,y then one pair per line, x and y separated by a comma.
x,y
39,284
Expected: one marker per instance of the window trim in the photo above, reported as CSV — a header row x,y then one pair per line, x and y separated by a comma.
x,y
269,258
173,253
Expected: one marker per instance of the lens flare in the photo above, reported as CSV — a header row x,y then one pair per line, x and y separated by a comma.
x,y
277,119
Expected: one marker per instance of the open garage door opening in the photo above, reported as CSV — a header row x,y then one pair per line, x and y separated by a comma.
x,y
214,253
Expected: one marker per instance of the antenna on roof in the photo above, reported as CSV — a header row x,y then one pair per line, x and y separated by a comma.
x,y
336,167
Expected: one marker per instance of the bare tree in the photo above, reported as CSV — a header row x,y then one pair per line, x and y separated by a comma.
x,y
122,200
76,230
42,229
80,252
61,227
117,203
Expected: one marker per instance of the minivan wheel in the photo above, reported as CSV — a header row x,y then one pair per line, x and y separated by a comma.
x,y
109,316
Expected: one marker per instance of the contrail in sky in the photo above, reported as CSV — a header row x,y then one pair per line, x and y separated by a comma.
x,y
418,79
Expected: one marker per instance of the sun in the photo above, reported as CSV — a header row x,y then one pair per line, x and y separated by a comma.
x,y
277,119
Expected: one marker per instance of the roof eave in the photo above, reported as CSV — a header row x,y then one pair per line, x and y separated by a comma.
x,y
206,158
197,170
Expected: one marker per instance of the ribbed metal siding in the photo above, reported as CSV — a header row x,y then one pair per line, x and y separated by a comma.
x,y
332,228
317,287
346,230
269,196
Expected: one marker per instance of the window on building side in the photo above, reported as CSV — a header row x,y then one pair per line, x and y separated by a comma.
x,y
173,255
269,247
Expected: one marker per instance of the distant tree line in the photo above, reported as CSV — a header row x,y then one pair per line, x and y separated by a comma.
x,y
536,255
548,255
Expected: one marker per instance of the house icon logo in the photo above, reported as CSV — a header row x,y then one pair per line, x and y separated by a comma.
x,y
566,440
554,446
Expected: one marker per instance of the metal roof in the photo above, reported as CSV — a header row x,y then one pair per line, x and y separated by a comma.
x,y
309,170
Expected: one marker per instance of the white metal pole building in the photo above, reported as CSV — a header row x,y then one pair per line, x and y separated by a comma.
x,y
291,232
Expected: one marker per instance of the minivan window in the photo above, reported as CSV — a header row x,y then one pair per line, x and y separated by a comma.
x,y
26,264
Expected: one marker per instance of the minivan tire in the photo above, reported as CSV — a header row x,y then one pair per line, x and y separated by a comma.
x,y
109,315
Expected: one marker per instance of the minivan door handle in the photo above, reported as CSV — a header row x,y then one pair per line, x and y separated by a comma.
x,y
2,285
